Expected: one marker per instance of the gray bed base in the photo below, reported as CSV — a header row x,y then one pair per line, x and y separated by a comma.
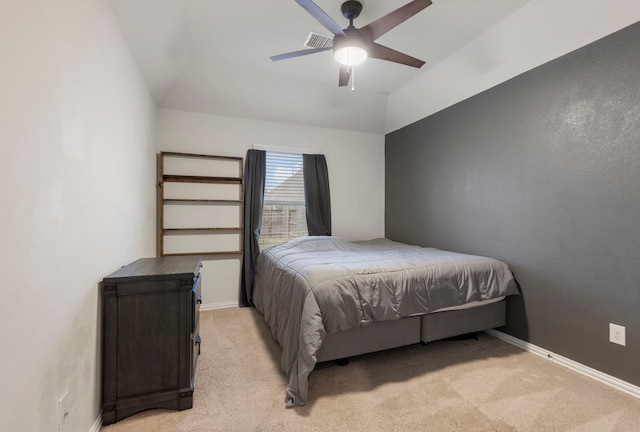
x,y
426,328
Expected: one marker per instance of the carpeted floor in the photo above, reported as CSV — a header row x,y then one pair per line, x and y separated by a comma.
x,y
465,385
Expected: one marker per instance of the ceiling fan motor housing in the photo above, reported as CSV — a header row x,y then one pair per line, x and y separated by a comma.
x,y
352,36
351,48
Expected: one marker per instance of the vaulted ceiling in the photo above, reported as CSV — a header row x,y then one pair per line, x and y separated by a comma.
x,y
212,56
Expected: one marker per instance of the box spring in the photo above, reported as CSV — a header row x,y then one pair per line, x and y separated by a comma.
x,y
426,328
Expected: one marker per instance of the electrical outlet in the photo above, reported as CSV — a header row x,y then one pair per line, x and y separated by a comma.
x,y
617,334
64,412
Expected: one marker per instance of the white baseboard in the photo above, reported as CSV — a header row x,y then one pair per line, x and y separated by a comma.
x,y
213,306
609,380
97,425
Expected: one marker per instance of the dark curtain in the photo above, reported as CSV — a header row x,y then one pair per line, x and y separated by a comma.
x,y
316,194
254,178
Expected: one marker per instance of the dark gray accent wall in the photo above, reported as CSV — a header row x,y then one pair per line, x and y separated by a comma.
x,y
542,172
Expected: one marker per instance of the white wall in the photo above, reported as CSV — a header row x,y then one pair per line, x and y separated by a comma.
x,y
77,169
538,32
356,175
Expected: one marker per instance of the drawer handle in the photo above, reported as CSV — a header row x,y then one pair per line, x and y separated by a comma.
x,y
199,299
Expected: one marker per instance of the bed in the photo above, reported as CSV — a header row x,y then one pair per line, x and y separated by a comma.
x,y
325,298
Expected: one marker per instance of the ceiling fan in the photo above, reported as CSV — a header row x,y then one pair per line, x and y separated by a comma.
x,y
351,46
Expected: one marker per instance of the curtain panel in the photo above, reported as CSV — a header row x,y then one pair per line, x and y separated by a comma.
x,y
316,194
254,178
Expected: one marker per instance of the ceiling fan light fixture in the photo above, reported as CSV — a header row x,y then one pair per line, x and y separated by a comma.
x,y
349,51
350,55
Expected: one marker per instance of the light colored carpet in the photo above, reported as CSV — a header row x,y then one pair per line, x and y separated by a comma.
x,y
467,385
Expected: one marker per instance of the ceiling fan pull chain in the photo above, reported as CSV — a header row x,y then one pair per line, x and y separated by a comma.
x,y
353,78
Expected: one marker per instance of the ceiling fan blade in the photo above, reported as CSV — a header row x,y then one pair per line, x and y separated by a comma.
x,y
343,79
298,53
321,16
381,52
377,28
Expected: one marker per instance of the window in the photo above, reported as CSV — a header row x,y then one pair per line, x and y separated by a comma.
x,y
283,212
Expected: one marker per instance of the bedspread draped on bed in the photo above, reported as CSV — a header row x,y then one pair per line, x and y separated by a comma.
x,y
314,286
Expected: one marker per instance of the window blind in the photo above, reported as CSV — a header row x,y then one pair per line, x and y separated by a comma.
x,y
283,214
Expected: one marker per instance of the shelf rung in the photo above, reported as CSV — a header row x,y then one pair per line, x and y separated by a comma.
x,y
200,179
201,156
195,200
229,229
234,252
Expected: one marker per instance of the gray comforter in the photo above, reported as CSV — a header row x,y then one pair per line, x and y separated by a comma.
x,y
314,286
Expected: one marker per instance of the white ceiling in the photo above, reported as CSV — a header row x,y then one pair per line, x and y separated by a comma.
x,y
212,56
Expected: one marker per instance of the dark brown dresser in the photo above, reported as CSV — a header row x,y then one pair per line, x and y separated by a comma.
x,y
150,334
